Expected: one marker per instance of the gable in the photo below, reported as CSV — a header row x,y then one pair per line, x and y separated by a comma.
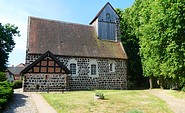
x,y
15,70
47,63
108,15
102,14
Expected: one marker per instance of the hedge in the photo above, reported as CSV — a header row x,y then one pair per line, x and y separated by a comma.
x,y
17,84
6,92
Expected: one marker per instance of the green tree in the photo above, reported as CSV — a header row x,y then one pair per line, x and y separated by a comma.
x,y
163,27
173,41
161,38
7,43
148,42
2,77
131,46
159,26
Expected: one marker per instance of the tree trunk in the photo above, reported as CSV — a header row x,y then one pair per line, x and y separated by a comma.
x,y
161,84
150,82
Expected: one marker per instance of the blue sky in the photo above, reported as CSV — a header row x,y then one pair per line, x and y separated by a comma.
x,y
76,11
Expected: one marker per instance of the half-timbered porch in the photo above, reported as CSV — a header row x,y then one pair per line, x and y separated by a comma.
x,y
46,74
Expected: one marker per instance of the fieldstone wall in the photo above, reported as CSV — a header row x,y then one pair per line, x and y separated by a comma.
x,y
45,82
83,80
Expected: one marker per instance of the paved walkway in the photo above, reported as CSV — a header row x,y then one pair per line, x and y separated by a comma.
x,y
26,102
21,103
177,105
41,104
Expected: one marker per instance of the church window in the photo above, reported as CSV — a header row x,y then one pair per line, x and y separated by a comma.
x,y
93,69
73,68
111,67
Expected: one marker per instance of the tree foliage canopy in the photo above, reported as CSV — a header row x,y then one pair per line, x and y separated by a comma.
x,y
131,46
7,43
2,77
159,26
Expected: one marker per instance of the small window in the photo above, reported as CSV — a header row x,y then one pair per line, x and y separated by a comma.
x,y
107,15
111,67
93,69
73,68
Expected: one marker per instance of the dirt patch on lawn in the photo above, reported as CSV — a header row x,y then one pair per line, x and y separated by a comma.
x,y
177,105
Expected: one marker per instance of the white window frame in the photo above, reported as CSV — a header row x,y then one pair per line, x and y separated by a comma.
x,y
113,66
93,69
93,62
71,69
73,61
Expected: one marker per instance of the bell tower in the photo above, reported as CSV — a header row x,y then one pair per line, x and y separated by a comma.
x,y
106,23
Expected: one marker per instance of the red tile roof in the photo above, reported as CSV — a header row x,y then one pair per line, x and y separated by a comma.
x,y
69,39
21,65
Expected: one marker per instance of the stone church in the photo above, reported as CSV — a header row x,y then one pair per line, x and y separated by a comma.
x,y
70,56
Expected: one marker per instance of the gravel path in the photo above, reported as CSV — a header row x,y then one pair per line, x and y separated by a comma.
x,y
21,103
177,105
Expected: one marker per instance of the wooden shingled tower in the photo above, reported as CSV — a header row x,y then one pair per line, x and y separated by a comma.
x,y
106,23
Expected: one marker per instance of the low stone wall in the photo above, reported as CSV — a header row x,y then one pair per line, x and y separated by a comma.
x,y
91,83
83,83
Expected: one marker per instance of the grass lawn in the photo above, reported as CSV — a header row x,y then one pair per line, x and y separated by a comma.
x,y
177,94
116,101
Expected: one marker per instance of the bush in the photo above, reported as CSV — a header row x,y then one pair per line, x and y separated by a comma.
x,y
6,92
2,77
17,84
183,89
100,95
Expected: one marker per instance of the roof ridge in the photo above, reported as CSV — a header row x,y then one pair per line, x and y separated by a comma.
x,y
52,20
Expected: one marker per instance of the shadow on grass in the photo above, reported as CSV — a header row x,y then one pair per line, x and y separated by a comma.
x,y
18,100
138,88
